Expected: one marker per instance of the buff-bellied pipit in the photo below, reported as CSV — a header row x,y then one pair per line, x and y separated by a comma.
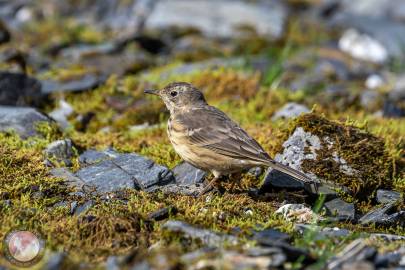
x,y
208,139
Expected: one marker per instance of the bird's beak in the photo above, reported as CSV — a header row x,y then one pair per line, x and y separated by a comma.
x,y
151,91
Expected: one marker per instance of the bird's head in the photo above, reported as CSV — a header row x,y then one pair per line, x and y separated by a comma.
x,y
179,95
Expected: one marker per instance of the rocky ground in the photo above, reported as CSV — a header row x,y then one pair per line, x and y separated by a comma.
x,y
86,164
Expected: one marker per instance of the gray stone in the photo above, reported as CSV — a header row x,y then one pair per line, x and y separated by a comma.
x,y
187,190
106,177
206,237
220,18
69,178
340,209
145,172
358,265
118,171
83,208
376,215
290,110
268,237
356,251
91,156
55,261
22,120
387,259
17,89
388,196
372,38
162,213
187,174
322,231
61,150
87,82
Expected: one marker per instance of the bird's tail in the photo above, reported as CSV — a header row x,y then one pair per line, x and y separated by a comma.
x,y
308,182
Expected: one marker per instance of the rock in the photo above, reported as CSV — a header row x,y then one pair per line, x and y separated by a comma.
x,y
314,146
23,120
377,215
5,35
391,109
374,81
267,237
340,209
297,212
394,104
387,260
62,113
220,18
186,174
17,89
388,196
356,251
322,231
162,213
83,208
55,261
87,82
290,110
371,38
360,265
187,190
362,47
91,156
61,150
69,178
206,237
125,171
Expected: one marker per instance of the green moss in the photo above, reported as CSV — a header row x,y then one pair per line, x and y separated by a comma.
x,y
364,153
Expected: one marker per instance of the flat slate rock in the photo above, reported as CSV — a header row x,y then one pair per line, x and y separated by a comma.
x,y
124,171
388,196
340,209
22,120
376,215
87,82
91,156
185,174
267,237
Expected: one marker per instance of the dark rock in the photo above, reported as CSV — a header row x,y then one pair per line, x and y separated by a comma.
x,y
187,174
124,171
388,196
387,237
376,215
391,109
91,156
87,82
22,120
293,253
5,35
389,259
277,179
162,213
61,150
340,209
17,89
55,261
82,208
206,237
356,251
267,18
395,219
290,110
267,237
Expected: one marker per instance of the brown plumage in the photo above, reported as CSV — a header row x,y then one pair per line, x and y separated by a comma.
x,y
208,139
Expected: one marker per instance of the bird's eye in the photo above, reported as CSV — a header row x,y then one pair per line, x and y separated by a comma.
x,y
173,93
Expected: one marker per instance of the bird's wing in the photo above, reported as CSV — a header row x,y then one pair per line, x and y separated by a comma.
x,y
212,129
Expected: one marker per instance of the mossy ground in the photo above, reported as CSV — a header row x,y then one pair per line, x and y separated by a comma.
x,y
114,227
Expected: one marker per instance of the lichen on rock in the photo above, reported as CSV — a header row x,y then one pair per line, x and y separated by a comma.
x,y
337,153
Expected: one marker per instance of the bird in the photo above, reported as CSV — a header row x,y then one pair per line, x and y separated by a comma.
x,y
208,139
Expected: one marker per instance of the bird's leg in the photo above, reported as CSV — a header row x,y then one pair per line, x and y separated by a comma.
x,y
209,186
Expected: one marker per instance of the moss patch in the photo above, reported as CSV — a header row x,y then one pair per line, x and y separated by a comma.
x,y
364,153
